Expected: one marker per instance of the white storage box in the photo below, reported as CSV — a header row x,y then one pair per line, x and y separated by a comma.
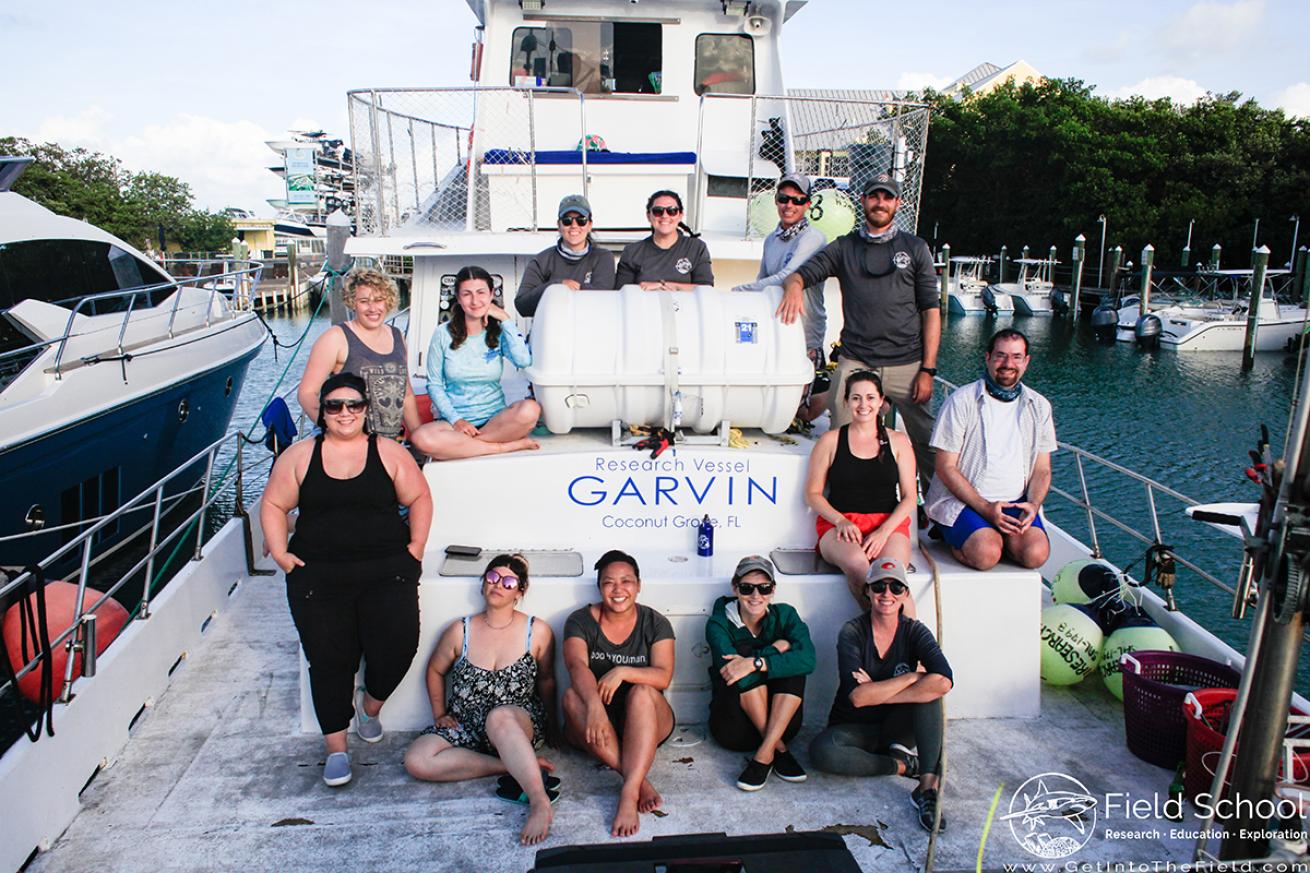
x,y
695,358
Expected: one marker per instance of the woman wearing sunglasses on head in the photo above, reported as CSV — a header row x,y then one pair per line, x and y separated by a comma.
x,y
668,259
575,261
891,677
353,564
868,473
760,654
491,680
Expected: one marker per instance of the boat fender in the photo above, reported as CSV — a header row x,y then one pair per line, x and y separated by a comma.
x,y
1085,581
1071,643
31,611
1137,633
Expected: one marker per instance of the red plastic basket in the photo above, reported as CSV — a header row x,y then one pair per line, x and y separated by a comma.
x,y
1155,683
1205,713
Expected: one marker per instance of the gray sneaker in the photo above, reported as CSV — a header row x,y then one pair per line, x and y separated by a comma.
x,y
369,729
907,758
336,770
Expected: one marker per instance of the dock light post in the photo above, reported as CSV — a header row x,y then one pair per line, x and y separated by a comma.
x,y
1187,247
1259,264
1295,231
1100,265
946,278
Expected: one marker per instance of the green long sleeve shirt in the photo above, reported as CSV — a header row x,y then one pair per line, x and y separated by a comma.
x,y
728,635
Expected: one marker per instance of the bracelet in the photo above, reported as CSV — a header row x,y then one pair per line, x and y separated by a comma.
x,y
931,371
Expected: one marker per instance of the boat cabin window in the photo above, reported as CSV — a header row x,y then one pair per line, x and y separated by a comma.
x,y
595,57
57,270
725,63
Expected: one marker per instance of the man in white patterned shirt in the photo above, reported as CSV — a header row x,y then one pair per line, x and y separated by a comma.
x,y
994,439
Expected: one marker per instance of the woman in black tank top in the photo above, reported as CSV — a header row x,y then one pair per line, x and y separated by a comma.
x,y
353,565
868,474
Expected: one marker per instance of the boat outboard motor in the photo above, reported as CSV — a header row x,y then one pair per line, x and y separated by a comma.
x,y
1105,323
1059,301
989,300
1148,331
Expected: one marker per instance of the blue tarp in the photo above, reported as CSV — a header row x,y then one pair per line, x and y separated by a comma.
x,y
573,156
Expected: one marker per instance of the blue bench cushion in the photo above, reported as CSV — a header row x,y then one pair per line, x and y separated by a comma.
x,y
573,156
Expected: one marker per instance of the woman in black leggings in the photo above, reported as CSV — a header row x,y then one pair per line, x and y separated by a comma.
x,y
885,704
353,565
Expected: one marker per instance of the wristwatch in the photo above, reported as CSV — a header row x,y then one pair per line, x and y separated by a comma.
x,y
759,663
931,371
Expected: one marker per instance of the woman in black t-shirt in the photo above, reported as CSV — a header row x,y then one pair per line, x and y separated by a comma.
x,y
667,259
885,704
614,707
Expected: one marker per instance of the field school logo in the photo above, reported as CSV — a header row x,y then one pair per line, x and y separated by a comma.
x,y
683,266
901,260
1052,815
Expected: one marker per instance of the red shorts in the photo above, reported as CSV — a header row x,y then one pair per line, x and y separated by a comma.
x,y
865,521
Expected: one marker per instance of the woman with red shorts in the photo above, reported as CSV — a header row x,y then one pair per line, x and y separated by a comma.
x,y
868,473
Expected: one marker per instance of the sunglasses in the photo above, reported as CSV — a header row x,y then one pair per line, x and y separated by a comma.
x,y
335,407
569,221
749,588
505,580
659,211
878,586
783,199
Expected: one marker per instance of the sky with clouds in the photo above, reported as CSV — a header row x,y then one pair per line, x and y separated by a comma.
x,y
194,90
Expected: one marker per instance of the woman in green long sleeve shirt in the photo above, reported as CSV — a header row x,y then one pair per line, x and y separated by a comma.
x,y
761,654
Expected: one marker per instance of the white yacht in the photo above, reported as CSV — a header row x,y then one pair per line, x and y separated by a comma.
x,y
969,294
194,743
1030,292
111,372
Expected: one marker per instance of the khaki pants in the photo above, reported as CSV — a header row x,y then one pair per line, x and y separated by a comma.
x,y
897,383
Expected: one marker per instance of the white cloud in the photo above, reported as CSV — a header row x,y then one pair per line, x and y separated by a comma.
x,y
1180,90
225,162
919,81
1295,99
1211,28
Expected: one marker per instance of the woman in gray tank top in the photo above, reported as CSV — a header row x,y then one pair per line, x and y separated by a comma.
x,y
370,348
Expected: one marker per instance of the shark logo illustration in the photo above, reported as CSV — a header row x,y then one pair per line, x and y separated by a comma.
x,y
1052,815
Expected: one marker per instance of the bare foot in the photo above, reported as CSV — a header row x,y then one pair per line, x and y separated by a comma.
x,y
626,820
648,799
537,826
524,444
544,763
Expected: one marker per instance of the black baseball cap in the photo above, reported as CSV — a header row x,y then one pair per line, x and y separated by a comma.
x,y
882,182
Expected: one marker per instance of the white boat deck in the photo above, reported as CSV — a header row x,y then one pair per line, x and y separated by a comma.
x,y
218,775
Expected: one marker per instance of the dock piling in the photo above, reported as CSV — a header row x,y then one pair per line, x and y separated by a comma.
x,y
1079,250
1116,258
1259,264
1214,256
1000,266
338,231
946,276
1301,282
1148,261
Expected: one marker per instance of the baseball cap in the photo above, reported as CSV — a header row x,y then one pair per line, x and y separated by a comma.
x,y
575,203
753,564
887,568
882,182
796,180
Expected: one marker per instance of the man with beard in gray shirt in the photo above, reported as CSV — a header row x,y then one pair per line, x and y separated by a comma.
x,y
892,321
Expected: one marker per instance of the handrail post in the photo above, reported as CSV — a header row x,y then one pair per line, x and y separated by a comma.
x,y
750,164
127,317
204,504
582,117
144,612
532,153
1087,505
699,201
240,491
66,694
1155,519
172,315
63,341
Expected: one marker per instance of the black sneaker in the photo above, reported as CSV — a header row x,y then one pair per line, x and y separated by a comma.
x,y
906,757
787,768
754,776
925,801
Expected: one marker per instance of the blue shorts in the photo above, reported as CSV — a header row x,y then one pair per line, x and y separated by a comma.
x,y
970,521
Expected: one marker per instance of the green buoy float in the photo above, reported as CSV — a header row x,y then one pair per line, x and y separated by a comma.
x,y
1136,632
1086,581
1071,643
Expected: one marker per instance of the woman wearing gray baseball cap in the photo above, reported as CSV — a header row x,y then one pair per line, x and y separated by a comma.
x,y
760,655
575,260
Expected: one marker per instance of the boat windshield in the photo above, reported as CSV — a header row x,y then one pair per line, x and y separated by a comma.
x,y
595,57
59,270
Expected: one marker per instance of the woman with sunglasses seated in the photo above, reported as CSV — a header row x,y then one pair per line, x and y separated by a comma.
x,y
619,655
575,261
491,680
760,654
466,359
891,677
868,473
668,259
353,565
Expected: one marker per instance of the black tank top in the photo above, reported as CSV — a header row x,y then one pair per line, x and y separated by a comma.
x,y
863,484
348,519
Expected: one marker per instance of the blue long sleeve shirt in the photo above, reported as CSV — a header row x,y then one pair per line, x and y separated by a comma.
x,y
465,382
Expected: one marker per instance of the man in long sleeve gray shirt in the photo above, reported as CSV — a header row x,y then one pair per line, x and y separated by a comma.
x,y
890,309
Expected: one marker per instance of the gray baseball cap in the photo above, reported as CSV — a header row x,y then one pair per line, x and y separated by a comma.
x,y
575,203
796,180
753,564
887,568
882,182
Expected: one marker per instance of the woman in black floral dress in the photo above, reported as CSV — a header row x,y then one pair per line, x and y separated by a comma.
x,y
499,666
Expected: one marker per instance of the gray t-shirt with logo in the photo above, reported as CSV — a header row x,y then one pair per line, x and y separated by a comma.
x,y
604,655
687,260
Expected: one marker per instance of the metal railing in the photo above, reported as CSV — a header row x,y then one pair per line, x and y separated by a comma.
x,y
75,635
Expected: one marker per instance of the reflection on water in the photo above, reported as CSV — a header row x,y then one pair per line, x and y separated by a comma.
x,y
1185,420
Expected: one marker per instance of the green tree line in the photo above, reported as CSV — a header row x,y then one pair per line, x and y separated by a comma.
x,y
132,206
1038,164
